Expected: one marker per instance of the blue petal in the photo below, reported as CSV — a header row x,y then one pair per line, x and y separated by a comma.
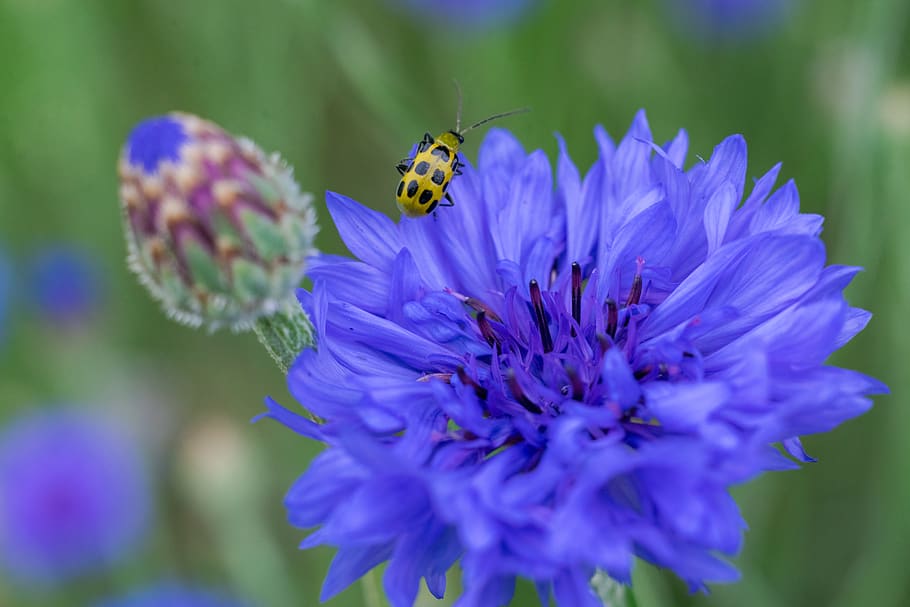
x,y
528,212
428,549
484,588
760,191
350,564
727,164
763,187
405,284
833,280
573,587
538,261
578,201
803,335
379,510
648,236
464,249
794,447
856,321
605,145
684,406
369,235
781,214
675,184
717,215
500,154
322,385
756,275
421,238
332,476
622,387
387,336
678,148
352,281
630,170
294,421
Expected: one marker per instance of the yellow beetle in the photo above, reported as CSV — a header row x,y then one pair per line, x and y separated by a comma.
x,y
426,176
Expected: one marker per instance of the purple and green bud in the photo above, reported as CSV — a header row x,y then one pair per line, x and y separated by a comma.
x,y
217,230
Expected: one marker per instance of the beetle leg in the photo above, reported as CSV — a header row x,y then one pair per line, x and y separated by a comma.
x,y
427,141
451,203
403,165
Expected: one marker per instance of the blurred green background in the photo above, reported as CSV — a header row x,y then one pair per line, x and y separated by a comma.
x,y
343,88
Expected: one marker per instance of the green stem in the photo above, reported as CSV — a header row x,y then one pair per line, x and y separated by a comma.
x,y
372,597
285,334
611,592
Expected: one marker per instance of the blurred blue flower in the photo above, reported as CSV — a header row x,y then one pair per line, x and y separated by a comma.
x,y
474,14
729,20
73,495
173,594
65,284
553,378
6,284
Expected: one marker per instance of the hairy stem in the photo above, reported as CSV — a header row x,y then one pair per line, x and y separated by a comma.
x,y
285,334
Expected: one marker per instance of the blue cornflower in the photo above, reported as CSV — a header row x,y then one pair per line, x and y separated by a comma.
x,y
73,495
173,594
473,14
553,378
729,20
65,284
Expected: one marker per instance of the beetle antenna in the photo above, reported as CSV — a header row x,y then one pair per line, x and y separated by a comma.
x,y
523,110
458,112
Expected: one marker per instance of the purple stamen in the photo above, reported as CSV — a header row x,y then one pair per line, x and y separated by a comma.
x,y
519,394
446,377
540,316
635,292
576,294
578,388
643,372
474,303
612,318
467,380
604,342
486,329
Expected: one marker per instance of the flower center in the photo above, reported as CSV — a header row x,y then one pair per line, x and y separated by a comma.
x,y
547,351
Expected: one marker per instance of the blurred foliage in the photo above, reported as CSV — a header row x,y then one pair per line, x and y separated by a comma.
x,y
342,89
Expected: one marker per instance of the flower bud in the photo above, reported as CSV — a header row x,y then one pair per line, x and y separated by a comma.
x,y
218,231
